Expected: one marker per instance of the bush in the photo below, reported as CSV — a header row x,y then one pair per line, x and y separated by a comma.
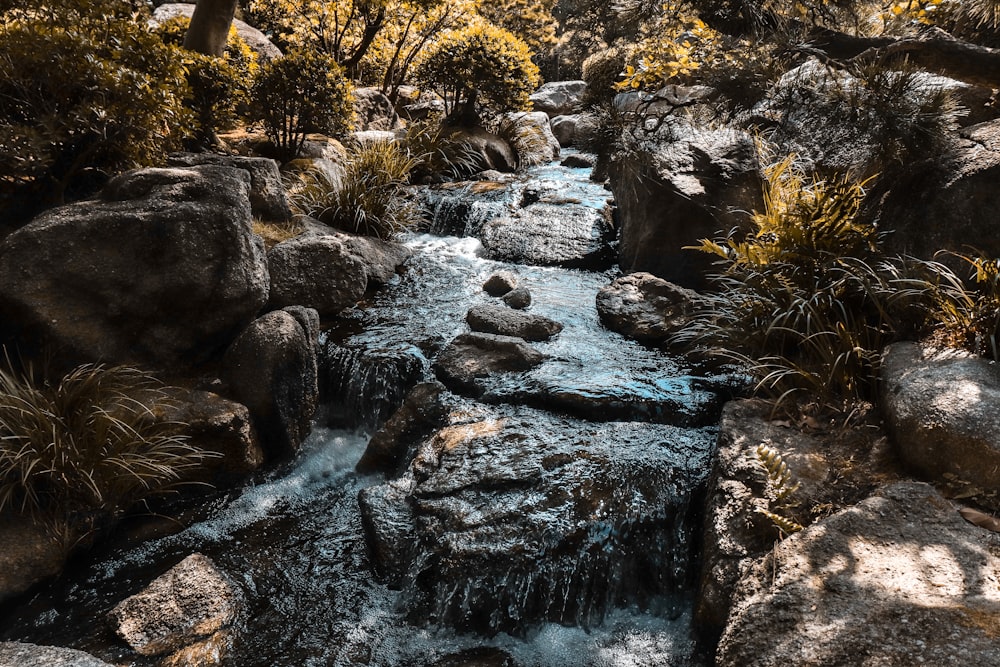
x,y
79,92
437,155
87,447
298,94
603,71
480,66
219,88
366,198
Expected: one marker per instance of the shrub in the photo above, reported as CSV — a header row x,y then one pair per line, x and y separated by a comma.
x,y
366,198
479,66
218,87
80,91
88,446
301,93
603,71
437,155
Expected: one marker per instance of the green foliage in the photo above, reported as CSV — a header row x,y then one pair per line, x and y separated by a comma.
x,y
806,302
80,90
88,446
480,64
303,92
366,198
218,87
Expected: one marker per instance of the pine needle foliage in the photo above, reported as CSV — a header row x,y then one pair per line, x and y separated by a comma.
x,y
89,445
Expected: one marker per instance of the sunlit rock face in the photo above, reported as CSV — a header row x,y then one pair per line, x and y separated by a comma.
x,y
514,516
898,580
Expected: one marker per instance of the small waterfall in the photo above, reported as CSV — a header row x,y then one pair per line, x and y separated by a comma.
x,y
362,387
463,210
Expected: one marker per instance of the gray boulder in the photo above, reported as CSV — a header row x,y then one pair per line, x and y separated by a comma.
x,y
558,98
942,411
423,410
190,602
898,580
317,272
31,555
163,269
18,654
255,39
519,298
500,283
670,195
564,129
493,319
487,150
374,111
472,357
544,146
267,193
580,161
271,367
644,307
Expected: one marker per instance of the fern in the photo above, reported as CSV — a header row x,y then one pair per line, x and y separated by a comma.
x,y
780,478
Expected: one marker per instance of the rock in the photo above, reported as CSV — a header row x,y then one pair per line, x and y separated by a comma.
x,y
267,193
671,195
30,555
945,203
942,411
423,410
18,654
644,307
190,602
366,137
323,148
374,111
162,269
500,283
492,319
558,98
663,102
542,234
897,580
580,161
481,656
514,517
271,367
254,38
416,105
832,470
564,129
318,272
544,146
519,298
486,149
474,356
381,259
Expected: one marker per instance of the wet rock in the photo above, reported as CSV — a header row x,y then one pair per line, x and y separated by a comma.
x,y
374,111
580,161
564,129
644,307
267,193
500,283
255,39
472,357
272,369
18,654
674,194
318,272
897,580
550,234
545,148
487,149
30,555
558,98
423,410
381,259
210,652
162,269
519,298
519,517
484,656
190,602
942,411
492,319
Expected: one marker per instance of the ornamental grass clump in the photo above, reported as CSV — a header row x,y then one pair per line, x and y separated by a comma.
x,y
84,449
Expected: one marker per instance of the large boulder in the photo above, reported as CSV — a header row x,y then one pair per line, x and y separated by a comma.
x,y
267,193
485,149
493,319
945,203
669,195
163,269
31,554
423,410
472,357
374,111
271,367
564,129
192,601
19,654
942,411
558,98
543,147
898,580
644,307
255,39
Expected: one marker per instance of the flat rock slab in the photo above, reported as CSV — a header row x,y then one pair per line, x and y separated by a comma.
x,y
17,654
644,307
556,234
189,603
898,580
492,319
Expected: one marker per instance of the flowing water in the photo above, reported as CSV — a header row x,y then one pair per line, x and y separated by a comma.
x,y
623,431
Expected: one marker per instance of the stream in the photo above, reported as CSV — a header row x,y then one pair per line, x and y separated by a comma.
x,y
563,533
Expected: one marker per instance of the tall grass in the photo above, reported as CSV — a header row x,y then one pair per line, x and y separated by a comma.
x,y
89,445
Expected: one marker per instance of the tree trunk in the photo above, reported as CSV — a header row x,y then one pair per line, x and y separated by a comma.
x,y
210,25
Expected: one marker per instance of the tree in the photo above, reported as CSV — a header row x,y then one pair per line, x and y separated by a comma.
x,y
210,25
